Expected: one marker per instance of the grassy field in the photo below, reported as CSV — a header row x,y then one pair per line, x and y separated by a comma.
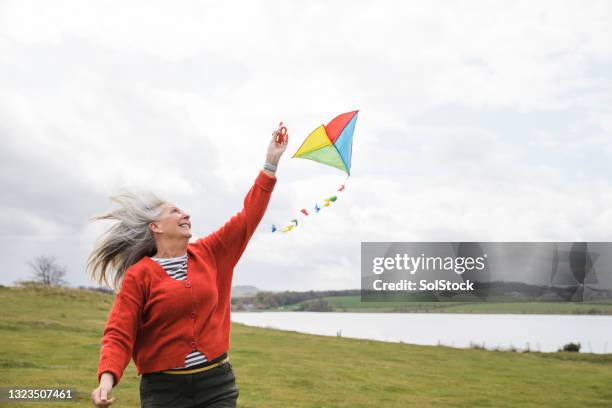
x,y
354,304
51,338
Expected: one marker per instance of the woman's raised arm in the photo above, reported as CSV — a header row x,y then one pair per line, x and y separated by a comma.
x,y
229,242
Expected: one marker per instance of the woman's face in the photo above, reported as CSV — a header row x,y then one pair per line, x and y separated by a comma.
x,y
173,222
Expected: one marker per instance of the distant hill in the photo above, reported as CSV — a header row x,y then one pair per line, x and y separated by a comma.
x,y
498,297
244,291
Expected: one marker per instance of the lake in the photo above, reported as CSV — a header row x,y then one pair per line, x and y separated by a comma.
x,y
538,332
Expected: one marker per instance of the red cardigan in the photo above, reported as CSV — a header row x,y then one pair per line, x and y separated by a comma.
x,y
158,320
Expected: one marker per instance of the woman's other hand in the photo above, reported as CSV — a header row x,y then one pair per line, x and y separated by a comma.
x,y
100,396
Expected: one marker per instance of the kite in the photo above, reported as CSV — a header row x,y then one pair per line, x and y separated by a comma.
x,y
330,144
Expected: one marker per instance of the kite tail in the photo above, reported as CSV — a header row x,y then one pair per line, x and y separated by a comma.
x,y
309,212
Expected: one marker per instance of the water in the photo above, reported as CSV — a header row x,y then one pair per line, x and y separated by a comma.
x,y
537,332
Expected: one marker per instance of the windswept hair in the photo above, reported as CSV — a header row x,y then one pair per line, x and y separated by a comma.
x,y
128,240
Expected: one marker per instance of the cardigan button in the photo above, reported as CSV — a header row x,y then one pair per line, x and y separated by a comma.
x,y
193,315
193,344
188,284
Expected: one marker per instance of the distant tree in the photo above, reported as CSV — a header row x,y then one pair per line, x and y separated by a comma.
x,y
315,305
47,271
571,347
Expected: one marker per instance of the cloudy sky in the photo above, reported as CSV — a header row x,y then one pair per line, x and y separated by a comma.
x,y
479,121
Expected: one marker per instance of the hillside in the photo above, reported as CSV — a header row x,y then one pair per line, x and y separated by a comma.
x,y
353,304
51,337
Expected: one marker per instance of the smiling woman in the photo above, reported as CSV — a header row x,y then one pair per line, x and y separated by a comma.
x,y
170,230
172,311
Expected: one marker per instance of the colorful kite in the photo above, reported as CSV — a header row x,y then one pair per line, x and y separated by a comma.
x,y
330,144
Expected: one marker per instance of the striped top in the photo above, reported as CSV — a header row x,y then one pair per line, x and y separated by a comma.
x,y
177,269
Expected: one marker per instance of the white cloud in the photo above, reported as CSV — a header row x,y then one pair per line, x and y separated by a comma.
x,y
181,100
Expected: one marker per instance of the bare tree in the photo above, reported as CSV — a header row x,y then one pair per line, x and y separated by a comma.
x,y
47,271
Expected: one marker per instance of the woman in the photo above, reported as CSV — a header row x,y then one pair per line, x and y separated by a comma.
x,y
172,312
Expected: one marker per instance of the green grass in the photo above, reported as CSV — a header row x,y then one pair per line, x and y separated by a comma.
x,y
354,304
51,338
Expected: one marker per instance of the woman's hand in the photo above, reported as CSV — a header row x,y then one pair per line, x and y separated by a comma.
x,y
276,150
100,395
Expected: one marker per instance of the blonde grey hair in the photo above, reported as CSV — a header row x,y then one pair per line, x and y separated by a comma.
x,y
127,240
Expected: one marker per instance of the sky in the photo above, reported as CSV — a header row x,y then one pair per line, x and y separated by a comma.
x,y
479,121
